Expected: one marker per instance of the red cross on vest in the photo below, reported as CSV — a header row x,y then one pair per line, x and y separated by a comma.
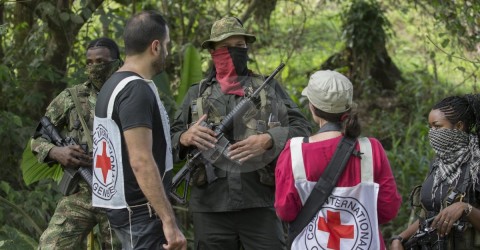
x,y
335,229
103,162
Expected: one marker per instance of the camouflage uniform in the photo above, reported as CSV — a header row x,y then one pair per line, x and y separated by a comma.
x,y
74,216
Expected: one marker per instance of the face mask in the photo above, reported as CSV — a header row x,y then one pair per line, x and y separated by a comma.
x,y
99,73
448,143
230,63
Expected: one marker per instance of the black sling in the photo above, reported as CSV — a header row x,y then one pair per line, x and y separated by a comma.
x,y
323,188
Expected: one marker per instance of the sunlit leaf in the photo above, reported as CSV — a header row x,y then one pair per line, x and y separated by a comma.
x,y
34,171
191,71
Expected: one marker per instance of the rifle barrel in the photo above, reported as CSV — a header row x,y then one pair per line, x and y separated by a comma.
x,y
244,105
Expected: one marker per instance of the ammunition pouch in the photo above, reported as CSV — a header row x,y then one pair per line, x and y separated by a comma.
x,y
198,177
204,174
267,175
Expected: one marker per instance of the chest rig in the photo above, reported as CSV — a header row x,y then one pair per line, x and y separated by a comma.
x,y
217,105
80,119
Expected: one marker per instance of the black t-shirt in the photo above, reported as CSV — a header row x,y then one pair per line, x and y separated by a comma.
x,y
135,106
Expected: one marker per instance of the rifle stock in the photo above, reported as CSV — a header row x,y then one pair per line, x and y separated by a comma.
x,y
181,175
210,156
69,181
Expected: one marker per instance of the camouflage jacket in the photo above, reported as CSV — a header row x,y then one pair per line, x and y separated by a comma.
x,y
64,116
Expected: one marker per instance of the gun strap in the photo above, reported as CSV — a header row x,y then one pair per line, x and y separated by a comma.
x,y
80,112
461,186
323,188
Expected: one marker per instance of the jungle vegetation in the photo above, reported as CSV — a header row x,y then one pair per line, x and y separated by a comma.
x,y
402,57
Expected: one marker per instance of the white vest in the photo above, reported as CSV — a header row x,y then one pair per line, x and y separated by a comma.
x,y
348,218
108,189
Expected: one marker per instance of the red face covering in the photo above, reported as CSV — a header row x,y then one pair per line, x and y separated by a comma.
x,y
230,63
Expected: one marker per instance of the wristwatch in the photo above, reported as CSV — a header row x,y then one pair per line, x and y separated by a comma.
x,y
397,237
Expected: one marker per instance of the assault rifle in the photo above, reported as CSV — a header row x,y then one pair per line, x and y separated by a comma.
x,y
71,176
427,237
210,156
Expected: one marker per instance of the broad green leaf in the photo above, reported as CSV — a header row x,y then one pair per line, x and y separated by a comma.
x,y
191,71
64,16
445,43
76,18
34,171
12,238
162,81
17,120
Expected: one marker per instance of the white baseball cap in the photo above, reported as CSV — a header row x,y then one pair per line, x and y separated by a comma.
x,y
329,91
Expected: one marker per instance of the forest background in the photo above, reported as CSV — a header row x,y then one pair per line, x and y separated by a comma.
x,y
402,57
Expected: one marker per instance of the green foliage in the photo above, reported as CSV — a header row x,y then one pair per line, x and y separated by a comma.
x,y
34,171
365,28
11,239
460,18
27,210
191,71
162,81
428,48
365,31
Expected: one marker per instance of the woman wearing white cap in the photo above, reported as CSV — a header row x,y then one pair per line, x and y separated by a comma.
x,y
365,194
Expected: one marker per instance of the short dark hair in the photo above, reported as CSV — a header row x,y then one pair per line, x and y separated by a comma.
x,y
107,43
142,29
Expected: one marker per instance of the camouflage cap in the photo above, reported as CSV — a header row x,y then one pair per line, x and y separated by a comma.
x,y
225,28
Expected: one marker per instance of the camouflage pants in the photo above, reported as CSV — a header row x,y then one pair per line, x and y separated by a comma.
x,y
73,220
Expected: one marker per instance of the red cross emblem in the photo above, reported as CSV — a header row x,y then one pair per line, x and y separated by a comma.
x,y
103,162
335,229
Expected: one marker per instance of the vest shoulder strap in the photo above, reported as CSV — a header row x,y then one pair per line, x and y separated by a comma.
x,y
117,90
73,92
298,167
366,159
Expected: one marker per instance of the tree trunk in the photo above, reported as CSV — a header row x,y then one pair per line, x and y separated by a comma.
x,y
59,43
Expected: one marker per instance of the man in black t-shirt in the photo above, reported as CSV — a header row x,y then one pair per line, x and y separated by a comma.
x,y
132,152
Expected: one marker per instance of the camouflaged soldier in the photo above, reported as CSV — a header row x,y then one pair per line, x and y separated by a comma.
x,y
234,207
72,112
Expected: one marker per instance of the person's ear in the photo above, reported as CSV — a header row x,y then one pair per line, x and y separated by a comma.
x,y
155,47
460,126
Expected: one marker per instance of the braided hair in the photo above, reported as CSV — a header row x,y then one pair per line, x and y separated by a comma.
x,y
465,109
107,43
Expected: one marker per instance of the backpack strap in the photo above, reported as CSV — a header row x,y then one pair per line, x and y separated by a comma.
x,y
80,112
